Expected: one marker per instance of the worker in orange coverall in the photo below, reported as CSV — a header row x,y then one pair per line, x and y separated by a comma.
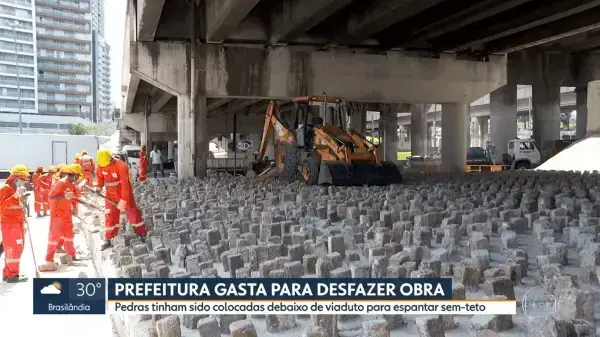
x,y
88,165
12,217
61,197
36,179
113,174
45,183
143,165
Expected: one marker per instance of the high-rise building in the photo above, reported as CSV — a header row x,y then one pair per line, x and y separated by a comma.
x,y
101,79
98,16
17,61
64,58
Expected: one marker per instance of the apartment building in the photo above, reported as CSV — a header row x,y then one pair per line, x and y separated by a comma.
x,y
18,66
101,107
64,57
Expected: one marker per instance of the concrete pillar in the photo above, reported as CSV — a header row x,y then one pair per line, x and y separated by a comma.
x,y
430,134
581,94
483,130
546,115
358,121
170,148
593,107
418,129
202,137
503,118
185,159
391,132
455,122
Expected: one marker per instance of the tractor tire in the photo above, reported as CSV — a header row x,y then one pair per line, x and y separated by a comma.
x,y
522,165
286,161
310,170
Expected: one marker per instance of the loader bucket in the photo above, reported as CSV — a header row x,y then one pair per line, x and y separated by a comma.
x,y
338,173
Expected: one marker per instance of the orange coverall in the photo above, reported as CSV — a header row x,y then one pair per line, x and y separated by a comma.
x,y
61,223
115,177
87,163
45,183
35,179
143,166
11,223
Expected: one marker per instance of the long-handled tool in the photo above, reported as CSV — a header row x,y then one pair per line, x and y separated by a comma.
x,y
112,202
37,271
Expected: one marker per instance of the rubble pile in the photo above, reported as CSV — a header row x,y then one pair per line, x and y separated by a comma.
x,y
496,235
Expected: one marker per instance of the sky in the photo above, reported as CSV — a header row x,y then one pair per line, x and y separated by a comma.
x,y
114,29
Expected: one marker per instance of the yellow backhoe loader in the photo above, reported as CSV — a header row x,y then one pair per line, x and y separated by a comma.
x,y
322,154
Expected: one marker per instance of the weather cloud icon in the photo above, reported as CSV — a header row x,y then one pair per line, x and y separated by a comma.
x,y
52,289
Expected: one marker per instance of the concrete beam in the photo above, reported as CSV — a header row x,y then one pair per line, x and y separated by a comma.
x,y
561,29
223,16
148,16
482,10
239,104
130,91
162,64
380,15
544,14
217,103
287,72
245,124
294,17
159,102
156,122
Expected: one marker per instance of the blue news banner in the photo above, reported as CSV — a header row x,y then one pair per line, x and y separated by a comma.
x,y
91,296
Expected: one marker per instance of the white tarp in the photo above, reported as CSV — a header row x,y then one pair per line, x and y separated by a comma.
x,y
579,156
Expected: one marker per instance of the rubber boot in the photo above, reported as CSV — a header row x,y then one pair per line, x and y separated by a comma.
x,y
17,279
107,244
142,238
66,259
49,266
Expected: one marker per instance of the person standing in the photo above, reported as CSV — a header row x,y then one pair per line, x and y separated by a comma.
x,y
12,218
114,174
143,170
156,158
61,222
37,179
175,158
88,166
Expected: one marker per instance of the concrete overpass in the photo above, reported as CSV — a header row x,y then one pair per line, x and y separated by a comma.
x,y
189,64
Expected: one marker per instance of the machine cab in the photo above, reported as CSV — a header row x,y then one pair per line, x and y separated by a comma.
x,y
524,153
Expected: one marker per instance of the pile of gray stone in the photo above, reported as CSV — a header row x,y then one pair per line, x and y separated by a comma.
x,y
498,236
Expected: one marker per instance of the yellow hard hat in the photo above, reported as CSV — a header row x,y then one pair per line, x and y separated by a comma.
x,y
52,169
20,171
104,157
76,168
66,169
77,156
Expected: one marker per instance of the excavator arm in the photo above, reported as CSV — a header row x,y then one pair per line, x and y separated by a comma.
x,y
273,123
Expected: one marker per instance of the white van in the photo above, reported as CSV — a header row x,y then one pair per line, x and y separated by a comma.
x,y
133,155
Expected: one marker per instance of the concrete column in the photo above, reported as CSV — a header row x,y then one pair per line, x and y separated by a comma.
x,y
455,122
170,148
418,129
358,121
582,111
391,132
430,134
185,159
202,137
546,115
483,130
503,118
593,107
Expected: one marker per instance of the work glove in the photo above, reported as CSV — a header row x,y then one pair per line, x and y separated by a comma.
x,y
122,205
69,195
82,183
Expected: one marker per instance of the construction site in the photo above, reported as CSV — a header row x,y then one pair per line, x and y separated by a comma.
x,y
277,168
